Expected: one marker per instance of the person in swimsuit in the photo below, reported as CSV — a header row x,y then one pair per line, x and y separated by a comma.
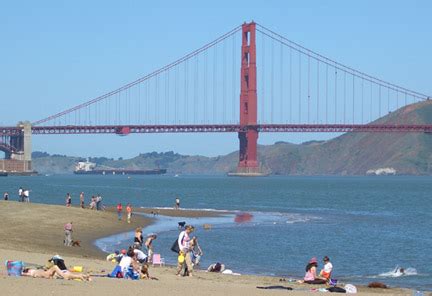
x,y
54,270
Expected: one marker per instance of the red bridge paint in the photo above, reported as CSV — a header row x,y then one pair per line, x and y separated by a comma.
x,y
248,162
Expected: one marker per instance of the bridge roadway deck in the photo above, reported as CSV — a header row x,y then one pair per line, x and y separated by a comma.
x,y
221,128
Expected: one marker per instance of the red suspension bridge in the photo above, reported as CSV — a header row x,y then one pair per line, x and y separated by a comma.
x,y
300,90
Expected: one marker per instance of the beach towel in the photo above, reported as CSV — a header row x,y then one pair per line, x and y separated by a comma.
x,y
14,268
275,288
336,290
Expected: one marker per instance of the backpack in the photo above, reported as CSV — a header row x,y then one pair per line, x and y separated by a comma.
x,y
175,247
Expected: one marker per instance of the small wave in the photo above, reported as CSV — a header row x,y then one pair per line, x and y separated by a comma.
x,y
397,272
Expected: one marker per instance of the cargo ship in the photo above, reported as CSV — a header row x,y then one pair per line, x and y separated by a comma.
x,y
89,168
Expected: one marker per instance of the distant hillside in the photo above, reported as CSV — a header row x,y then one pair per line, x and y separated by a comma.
x,y
349,154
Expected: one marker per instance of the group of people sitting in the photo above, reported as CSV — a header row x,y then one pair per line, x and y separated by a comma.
x,y
131,264
311,276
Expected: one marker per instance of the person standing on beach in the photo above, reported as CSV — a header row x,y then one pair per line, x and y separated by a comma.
x,y
6,196
138,239
68,200
149,245
177,203
129,213
26,194
184,246
82,200
20,195
119,211
68,234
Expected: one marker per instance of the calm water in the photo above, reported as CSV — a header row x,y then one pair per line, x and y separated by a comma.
x,y
366,225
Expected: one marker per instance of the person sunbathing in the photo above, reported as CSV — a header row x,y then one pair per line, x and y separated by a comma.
x,y
54,271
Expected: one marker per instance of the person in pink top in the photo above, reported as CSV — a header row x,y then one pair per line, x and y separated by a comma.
x,y
311,273
68,234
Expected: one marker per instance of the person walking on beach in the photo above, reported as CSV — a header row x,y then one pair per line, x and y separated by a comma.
x,y
68,200
177,203
129,213
20,195
82,200
6,196
184,246
68,234
149,245
119,211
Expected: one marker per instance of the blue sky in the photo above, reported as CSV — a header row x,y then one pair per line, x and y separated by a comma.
x,y
57,54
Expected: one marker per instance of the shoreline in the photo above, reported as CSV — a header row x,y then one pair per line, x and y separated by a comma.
x,y
24,241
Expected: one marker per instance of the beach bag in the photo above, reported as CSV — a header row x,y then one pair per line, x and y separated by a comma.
x,y
59,262
175,247
14,268
350,289
336,290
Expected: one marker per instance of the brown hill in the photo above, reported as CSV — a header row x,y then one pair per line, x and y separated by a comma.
x,y
355,153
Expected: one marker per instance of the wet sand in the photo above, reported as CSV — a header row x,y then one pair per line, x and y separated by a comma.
x,y
34,232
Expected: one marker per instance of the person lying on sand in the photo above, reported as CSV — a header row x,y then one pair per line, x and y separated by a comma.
x,y
54,270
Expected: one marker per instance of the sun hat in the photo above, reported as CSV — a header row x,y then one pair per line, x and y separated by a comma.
x,y
313,260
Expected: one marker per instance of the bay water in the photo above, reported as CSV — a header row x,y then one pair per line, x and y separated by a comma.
x,y
366,225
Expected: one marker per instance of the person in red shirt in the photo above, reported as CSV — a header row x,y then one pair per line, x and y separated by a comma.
x,y
119,211
129,212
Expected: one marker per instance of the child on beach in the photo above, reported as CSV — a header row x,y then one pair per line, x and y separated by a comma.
x,y
119,211
149,245
325,273
68,200
129,213
138,239
82,200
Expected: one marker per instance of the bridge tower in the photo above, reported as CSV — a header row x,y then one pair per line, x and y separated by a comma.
x,y
18,152
248,162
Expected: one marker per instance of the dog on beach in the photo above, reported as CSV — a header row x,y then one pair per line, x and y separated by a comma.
x,y
76,243
377,285
181,225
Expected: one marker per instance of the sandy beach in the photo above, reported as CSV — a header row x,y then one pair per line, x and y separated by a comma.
x,y
34,233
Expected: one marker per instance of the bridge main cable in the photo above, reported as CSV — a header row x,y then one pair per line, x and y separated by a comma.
x,y
338,65
148,76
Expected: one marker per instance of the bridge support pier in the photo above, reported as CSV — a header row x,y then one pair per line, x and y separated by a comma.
x,y
248,161
18,153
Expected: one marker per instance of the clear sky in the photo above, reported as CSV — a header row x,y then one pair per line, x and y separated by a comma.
x,y
57,54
